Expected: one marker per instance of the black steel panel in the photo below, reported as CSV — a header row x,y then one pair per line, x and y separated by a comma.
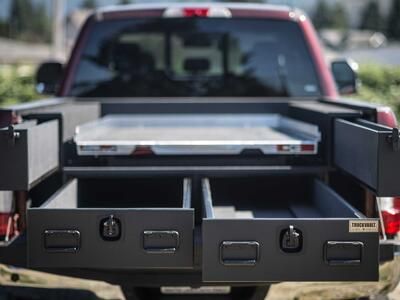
x,y
76,228
189,105
28,156
94,252
274,264
222,170
322,114
364,150
73,113
317,213
13,252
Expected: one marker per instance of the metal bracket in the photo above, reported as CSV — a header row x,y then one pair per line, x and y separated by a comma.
x,y
394,139
12,135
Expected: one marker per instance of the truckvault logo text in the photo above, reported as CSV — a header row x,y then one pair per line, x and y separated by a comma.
x,y
363,226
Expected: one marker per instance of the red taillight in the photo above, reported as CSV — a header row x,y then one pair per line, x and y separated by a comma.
x,y
304,149
195,12
307,148
391,221
390,211
396,203
142,150
386,116
192,12
6,226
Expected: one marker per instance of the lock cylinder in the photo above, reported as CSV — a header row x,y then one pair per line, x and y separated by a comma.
x,y
110,228
291,240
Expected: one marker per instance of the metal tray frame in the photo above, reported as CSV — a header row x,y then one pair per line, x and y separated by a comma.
x,y
197,134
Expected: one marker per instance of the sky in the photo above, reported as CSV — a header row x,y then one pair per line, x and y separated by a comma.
x,y
70,5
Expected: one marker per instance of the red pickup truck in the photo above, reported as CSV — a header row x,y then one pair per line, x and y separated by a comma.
x,y
199,145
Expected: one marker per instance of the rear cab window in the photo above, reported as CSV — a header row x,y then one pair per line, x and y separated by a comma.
x,y
186,57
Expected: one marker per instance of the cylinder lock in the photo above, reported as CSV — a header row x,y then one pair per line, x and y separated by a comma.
x,y
110,228
291,240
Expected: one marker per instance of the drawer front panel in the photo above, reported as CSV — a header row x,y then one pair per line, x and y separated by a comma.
x,y
86,238
330,251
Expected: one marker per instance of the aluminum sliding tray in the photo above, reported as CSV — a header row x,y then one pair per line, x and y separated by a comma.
x,y
196,134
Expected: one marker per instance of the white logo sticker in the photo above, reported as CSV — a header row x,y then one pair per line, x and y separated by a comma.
x,y
363,226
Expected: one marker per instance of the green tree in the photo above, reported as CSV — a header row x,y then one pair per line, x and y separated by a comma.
x,y
339,17
371,18
89,4
20,16
326,16
393,25
41,24
322,17
29,22
125,2
4,29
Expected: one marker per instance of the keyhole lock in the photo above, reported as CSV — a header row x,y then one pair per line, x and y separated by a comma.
x,y
110,228
291,240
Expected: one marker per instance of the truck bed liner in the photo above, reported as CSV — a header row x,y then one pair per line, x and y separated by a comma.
x,y
196,134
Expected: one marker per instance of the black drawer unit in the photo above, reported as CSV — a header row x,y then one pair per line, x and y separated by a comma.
x,y
370,152
28,152
266,229
114,224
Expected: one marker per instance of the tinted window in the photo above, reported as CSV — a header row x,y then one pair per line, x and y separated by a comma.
x,y
195,57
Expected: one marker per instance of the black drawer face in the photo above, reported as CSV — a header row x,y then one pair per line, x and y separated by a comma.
x,y
114,224
28,151
370,152
279,229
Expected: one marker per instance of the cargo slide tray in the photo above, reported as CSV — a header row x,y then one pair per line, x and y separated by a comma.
x,y
196,134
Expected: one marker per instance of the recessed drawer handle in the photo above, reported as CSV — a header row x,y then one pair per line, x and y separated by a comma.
x,y
62,241
343,253
161,242
239,253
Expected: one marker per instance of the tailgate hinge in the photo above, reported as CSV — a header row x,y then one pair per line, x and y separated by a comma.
x,y
394,139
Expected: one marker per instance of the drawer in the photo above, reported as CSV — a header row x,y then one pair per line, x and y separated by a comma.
x,y
370,152
114,224
28,152
267,229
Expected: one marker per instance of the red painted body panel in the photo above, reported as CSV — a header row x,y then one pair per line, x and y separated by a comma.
x,y
72,64
328,86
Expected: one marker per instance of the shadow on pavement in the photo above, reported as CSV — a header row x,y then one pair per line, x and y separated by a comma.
x,y
29,293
